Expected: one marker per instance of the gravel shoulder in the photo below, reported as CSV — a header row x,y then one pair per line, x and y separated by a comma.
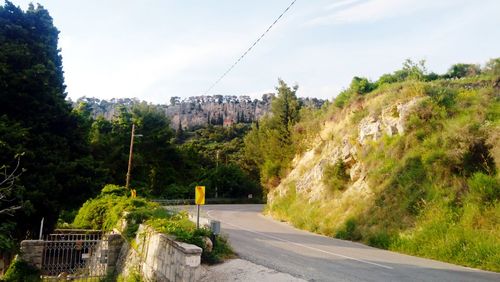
x,y
243,270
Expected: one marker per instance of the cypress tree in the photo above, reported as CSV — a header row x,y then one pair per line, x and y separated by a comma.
x,y
59,172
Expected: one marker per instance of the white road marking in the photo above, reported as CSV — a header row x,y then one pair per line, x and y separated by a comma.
x,y
303,246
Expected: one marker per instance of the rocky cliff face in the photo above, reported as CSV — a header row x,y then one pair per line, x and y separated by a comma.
x,y
217,110
344,140
193,111
199,110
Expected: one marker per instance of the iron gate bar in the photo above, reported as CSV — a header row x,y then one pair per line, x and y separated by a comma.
x,y
74,256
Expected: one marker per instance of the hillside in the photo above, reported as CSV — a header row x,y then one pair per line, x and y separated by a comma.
x,y
411,166
198,111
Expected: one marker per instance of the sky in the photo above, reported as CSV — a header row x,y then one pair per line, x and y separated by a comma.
x,y
155,49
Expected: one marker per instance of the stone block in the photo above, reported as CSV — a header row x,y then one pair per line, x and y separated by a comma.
x,y
32,252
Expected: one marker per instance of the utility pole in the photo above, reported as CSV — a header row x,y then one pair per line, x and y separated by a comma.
x,y
216,172
127,183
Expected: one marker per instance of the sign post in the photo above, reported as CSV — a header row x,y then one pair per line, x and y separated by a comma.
x,y
199,200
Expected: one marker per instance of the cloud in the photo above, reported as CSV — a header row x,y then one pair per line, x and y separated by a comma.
x,y
354,11
341,4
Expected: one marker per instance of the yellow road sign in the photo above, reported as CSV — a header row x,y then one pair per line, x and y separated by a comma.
x,y
200,195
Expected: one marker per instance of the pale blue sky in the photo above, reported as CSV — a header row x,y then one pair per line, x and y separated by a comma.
x,y
154,49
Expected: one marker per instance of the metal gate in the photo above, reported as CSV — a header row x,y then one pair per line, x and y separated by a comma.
x,y
74,256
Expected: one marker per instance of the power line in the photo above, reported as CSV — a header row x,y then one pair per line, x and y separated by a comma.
x,y
250,48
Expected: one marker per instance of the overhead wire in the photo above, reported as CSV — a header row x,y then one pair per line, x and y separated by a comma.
x,y
249,48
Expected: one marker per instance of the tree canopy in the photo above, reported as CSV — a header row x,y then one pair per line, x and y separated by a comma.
x,y
38,122
269,144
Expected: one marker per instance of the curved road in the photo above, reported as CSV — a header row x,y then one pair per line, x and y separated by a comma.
x,y
313,257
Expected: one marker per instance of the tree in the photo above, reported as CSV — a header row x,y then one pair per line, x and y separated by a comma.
x,y
179,133
174,100
7,185
361,85
269,145
285,109
231,182
156,163
37,119
462,70
493,66
410,71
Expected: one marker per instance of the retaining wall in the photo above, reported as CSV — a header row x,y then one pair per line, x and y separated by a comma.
x,y
157,257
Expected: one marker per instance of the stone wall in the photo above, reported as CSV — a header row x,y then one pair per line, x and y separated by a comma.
x,y
32,252
157,257
115,243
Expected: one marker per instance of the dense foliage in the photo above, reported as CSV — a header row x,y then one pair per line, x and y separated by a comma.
x,y
37,122
269,144
223,167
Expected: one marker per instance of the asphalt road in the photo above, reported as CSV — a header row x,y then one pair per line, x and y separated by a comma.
x,y
313,257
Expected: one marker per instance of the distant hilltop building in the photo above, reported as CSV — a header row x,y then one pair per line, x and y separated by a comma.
x,y
199,111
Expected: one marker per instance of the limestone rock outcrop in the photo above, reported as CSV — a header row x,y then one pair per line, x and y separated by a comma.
x,y
307,175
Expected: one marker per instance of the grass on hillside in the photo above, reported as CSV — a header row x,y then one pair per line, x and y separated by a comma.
x,y
436,189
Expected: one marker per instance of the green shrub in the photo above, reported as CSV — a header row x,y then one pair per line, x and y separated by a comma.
x,y
101,213
343,98
66,217
221,251
485,187
139,215
349,231
409,185
21,271
177,224
270,169
104,212
380,240
335,176
442,96
361,85
177,191
478,159
7,243
111,189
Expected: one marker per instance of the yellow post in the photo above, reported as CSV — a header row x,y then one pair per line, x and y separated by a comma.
x,y
200,195
199,199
